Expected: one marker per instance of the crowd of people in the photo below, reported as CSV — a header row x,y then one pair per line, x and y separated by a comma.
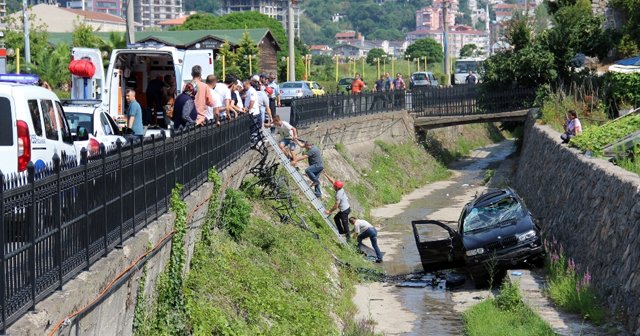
x,y
204,100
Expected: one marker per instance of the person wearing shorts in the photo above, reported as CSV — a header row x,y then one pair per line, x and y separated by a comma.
x,y
288,136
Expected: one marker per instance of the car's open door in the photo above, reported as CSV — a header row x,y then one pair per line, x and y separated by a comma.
x,y
440,247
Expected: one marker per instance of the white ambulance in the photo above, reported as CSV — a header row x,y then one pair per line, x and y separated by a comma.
x,y
136,67
33,126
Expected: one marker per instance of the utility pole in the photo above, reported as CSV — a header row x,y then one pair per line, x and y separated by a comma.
x,y
445,64
292,53
27,43
131,39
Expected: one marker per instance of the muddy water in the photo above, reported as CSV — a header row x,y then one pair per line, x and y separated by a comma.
x,y
424,311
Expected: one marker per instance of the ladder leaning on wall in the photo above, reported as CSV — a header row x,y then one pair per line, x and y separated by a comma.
x,y
300,181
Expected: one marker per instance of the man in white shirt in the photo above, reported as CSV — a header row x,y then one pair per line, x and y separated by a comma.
x,y
225,97
342,204
213,112
252,106
363,230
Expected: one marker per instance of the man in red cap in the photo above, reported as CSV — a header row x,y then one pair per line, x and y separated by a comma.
x,y
342,204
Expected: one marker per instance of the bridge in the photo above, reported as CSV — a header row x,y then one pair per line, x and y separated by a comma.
x,y
58,222
430,107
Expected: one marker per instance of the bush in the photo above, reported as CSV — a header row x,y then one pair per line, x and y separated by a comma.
x,y
235,213
595,138
590,109
623,89
569,288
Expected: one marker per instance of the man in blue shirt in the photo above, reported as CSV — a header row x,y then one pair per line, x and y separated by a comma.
x,y
134,114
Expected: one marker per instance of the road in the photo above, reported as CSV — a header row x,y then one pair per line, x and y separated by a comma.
x,y
284,112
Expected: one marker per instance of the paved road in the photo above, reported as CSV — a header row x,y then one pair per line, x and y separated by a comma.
x,y
284,112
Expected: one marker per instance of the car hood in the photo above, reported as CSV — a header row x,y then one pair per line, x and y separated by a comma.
x,y
474,240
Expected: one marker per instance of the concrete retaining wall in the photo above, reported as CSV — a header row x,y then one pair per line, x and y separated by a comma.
x,y
592,208
114,315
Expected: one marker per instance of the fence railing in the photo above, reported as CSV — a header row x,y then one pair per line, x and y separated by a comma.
x,y
57,226
427,101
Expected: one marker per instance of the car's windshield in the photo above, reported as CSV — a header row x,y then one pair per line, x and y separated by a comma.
x,y
419,76
345,81
291,85
492,214
80,119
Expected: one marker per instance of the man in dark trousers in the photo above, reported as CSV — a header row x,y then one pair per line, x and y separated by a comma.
x,y
315,165
342,204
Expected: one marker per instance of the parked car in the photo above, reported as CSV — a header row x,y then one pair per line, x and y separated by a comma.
x,y
33,126
423,79
91,126
292,90
344,84
495,231
316,88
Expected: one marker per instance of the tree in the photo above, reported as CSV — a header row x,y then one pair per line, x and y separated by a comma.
x,y
83,36
230,61
375,53
629,44
469,50
248,51
426,47
38,38
53,66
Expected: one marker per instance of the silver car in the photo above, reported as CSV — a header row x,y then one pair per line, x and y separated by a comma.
x,y
423,79
293,90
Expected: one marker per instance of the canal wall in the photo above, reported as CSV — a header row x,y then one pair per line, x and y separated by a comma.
x,y
114,312
592,208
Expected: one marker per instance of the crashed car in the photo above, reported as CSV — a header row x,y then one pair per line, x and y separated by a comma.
x,y
494,231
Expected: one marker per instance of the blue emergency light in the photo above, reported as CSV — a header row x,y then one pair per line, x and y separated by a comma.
x,y
19,78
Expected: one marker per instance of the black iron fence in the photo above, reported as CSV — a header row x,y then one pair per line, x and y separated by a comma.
x,y
421,102
57,226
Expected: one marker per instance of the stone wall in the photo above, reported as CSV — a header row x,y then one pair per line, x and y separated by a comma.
x,y
592,208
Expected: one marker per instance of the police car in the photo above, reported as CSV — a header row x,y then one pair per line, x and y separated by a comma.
x,y
91,126
33,126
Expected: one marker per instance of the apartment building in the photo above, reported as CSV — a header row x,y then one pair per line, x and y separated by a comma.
x,y
276,9
457,37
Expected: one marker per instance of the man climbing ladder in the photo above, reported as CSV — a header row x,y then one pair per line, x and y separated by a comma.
x,y
342,203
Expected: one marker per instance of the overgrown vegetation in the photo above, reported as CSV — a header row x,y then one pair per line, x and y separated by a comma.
x,y
505,314
275,279
569,287
556,104
595,138
167,315
386,180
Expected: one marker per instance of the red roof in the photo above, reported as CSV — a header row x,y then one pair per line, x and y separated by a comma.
x,y
174,22
346,34
504,14
319,47
505,6
96,16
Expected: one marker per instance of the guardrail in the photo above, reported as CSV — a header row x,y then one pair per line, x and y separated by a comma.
x,y
57,226
426,101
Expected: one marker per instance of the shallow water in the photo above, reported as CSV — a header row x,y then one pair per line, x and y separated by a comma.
x,y
432,307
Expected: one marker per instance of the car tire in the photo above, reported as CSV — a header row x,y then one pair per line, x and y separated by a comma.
x,y
539,261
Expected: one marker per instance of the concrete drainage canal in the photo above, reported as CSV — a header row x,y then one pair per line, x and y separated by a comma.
x,y
409,301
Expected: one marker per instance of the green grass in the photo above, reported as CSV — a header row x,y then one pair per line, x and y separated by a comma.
x,y
488,174
387,179
570,289
504,315
595,138
276,279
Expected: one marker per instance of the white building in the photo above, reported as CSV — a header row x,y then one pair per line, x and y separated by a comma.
x,y
457,37
64,20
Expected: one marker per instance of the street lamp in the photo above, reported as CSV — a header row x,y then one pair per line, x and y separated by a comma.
x,y
362,60
286,59
307,66
384,63
250,57
408,59
220,57
337,58
377,60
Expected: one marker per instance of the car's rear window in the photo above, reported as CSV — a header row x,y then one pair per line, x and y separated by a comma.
x,y
80,119
419,77
6,124
291,85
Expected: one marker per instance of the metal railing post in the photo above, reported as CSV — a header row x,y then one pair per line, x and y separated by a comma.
x,y
120,185
133,189
58,220
3,278
87,221
144,183
32,233
103,158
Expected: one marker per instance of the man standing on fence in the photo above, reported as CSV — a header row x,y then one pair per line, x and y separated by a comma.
x,y
315,165
252,106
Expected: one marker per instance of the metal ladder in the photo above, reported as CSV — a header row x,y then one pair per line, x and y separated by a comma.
x,y
300,181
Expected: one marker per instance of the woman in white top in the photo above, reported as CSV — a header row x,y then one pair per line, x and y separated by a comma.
x,y
365,230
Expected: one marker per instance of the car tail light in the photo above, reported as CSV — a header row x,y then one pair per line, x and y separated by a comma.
x,y
94,147
24,145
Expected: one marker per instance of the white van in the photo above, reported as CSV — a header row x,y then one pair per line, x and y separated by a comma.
x,y
33,126
136,67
